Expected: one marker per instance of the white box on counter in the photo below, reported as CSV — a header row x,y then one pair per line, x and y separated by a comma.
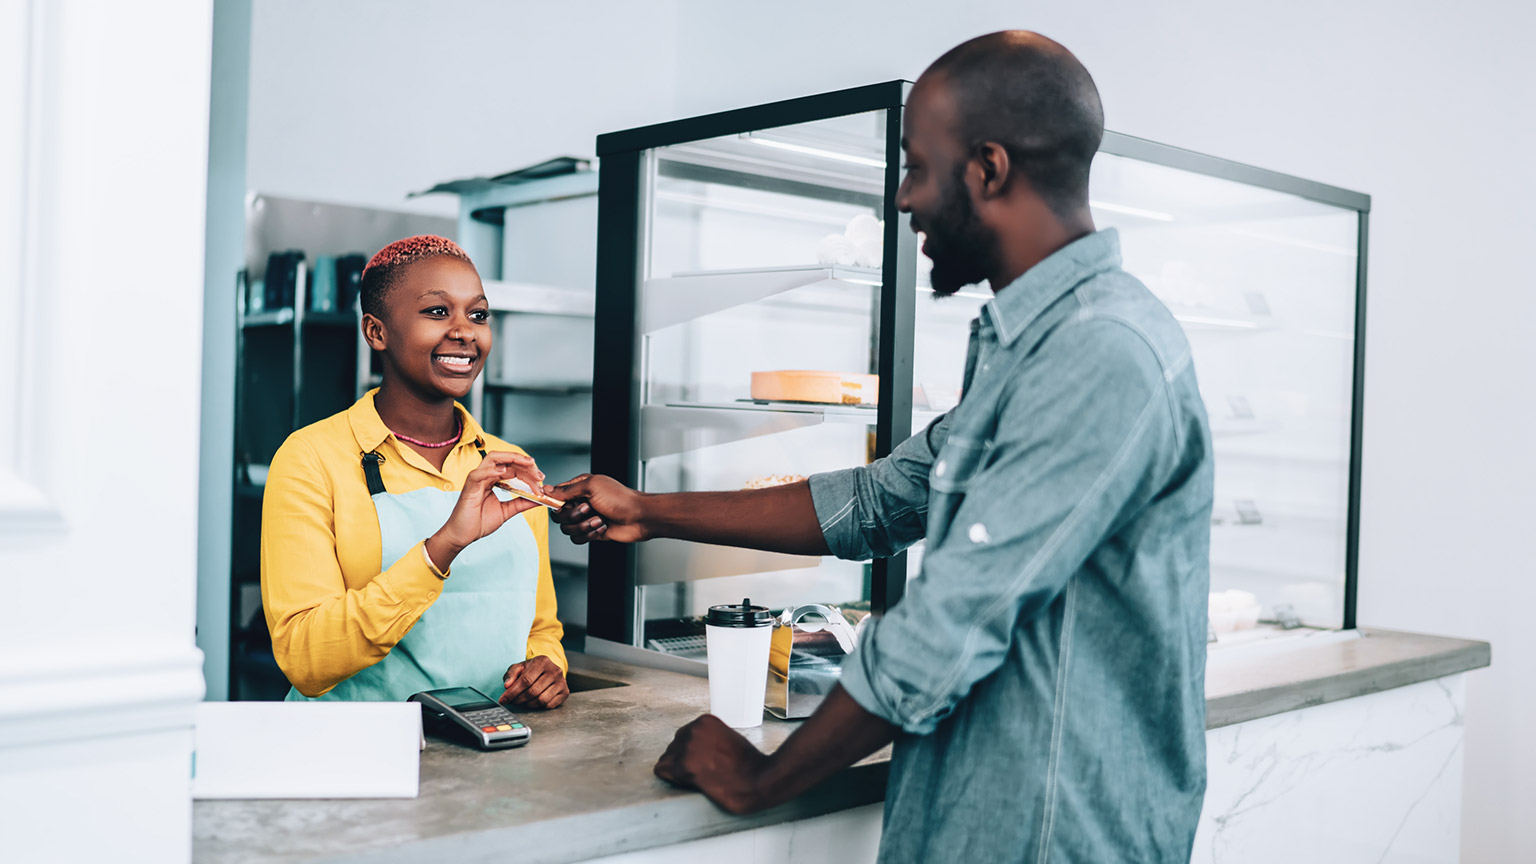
x,y
307,750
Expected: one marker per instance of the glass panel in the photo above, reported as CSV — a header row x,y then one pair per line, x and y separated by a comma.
x,y
763,255
1264,285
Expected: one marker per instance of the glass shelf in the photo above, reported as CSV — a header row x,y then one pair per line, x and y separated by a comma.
x,y
554,388
669,301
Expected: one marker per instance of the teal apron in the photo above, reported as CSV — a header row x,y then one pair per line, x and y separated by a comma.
x,y
476,628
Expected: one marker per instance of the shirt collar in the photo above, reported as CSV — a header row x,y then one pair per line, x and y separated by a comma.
x,y
370,431
1021,302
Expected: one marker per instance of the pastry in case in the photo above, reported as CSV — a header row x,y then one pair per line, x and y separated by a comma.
x,y
830,388
768,481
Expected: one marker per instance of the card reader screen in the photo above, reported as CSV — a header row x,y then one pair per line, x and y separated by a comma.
x,y
465,699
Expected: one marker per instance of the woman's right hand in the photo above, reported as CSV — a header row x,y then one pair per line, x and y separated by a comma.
x,y
478,512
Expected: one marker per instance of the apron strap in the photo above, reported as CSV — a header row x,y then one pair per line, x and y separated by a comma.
x,y
480,445
371,471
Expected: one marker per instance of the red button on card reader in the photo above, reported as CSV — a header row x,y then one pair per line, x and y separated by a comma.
x,y
487,728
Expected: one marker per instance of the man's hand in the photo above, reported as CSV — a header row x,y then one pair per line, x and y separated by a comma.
x,y
600,508
709,756
535,683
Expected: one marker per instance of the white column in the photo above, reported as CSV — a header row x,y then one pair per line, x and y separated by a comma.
x,y
103,167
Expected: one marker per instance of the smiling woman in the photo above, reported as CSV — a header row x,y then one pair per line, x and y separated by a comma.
x,y
368,514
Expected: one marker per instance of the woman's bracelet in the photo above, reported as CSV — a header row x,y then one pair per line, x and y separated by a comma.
x,y
431,566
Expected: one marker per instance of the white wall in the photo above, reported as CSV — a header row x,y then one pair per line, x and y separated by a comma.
x,y
1425,108
103,157
364,101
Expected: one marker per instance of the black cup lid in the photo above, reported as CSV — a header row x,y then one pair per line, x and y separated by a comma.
x,y
743,615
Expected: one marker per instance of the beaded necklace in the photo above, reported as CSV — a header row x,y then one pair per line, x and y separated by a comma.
x,y
409,440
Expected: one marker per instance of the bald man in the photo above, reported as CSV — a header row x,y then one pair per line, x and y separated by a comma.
x,y
1043,677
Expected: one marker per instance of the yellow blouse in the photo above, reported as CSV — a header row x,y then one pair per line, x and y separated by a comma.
x,y
329,609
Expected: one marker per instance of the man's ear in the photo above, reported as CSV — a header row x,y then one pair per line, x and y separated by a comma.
x,y
374,332
996,168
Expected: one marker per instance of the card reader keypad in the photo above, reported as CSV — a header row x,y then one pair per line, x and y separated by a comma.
x,y
494,720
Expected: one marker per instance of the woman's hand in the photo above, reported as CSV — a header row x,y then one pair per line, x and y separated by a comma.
x,y
535,683
600,508
478,511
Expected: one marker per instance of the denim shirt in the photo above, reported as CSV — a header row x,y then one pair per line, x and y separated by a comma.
x,y
1047,665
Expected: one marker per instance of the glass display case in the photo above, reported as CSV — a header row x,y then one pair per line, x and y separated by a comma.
x,y
763,314
1266,273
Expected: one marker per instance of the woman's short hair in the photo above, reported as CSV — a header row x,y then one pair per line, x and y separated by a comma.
x,y
385,268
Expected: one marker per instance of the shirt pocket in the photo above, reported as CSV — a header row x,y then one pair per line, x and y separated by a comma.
x,y
958,462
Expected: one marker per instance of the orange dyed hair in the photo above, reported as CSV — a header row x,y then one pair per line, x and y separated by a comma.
x,y
386,266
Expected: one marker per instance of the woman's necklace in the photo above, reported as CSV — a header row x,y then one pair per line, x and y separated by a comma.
x,y
428,444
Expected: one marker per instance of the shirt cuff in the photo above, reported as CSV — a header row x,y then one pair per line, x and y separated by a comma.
x,y
863,681
835,495
412,579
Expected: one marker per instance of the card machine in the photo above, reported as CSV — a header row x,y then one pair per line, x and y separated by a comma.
x,y
473,714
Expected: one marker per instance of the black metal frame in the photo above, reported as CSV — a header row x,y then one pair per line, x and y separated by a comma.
x,y
612,612
1357,418
612,586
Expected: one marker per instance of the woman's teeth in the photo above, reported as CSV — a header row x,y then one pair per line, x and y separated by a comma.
x,y
461,362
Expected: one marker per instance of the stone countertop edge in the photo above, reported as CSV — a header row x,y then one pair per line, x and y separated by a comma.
x,y
1307,675
593,794
648,825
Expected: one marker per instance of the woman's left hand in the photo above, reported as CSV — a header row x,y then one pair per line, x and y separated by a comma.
x,y
535,683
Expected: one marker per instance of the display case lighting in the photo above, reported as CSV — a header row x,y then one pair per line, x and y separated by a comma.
x,y
814,151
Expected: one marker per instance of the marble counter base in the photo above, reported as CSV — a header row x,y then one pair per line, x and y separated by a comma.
x,y
1376,778
849,837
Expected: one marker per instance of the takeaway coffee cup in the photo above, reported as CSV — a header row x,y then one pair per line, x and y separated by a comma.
x,y
737,638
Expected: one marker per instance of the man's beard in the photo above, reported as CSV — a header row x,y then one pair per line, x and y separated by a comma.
x,y
961,248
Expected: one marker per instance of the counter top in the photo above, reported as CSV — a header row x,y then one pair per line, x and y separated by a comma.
x,y
1248,682
583,787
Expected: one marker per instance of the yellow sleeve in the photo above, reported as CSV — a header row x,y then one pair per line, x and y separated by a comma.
x,y
544,636
322,632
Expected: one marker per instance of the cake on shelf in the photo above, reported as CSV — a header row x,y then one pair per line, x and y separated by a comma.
x,y
827,388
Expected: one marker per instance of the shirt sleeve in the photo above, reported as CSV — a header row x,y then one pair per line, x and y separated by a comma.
x,y
322,631
879,509
544,636
1081,440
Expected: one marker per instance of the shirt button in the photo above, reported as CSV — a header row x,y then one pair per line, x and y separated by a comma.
x,y
940,468
979,533
447,487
